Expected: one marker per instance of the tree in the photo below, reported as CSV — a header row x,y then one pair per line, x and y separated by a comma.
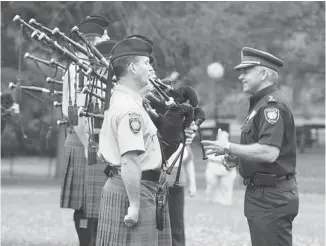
x,y
188,36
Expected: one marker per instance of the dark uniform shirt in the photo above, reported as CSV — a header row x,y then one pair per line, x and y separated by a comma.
x,y
270,121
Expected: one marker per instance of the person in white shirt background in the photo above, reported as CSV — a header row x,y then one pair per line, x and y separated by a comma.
x,y
219,180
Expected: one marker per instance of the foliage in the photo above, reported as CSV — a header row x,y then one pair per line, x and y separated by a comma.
x,y
188,36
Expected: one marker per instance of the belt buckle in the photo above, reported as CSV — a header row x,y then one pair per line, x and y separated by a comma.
x,y
108,170
248,182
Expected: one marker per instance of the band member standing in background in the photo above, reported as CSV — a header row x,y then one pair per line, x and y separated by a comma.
x,y
73,188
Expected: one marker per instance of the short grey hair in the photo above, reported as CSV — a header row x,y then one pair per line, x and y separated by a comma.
x,y
272,75
121,64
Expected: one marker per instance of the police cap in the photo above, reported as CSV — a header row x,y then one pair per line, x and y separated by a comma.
x,y
252,57
132,47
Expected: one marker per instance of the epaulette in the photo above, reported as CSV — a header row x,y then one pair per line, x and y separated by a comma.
x,y
271,99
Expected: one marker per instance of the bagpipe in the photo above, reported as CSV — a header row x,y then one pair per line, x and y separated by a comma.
x,y
87,71
172,110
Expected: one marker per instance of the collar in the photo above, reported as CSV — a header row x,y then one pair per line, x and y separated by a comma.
x,y
255,98
127,90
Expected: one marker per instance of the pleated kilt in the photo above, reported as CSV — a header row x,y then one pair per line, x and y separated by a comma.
x,y
72,189
114,205
95,180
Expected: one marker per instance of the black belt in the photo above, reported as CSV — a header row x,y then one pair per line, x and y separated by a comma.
x,y
149,175
251,181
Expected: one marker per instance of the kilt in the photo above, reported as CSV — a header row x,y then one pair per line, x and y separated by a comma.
x,y
72,189
95,180
114,205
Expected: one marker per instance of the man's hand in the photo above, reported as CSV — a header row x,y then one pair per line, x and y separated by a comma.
x,y
192,191
96,130
86,152
100,157
131,218
190,132
217,146
15,108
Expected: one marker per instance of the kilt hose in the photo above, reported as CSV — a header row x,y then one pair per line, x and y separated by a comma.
x,y
72,189
114,206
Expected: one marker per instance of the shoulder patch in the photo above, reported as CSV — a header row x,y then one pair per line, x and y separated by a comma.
x,y
272,115
134,122
271,99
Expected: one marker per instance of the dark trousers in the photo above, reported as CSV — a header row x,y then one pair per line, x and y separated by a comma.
x,y
86,231
270,213
176,209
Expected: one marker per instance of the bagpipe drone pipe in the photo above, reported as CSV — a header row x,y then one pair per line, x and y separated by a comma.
x,y
91,79
172,110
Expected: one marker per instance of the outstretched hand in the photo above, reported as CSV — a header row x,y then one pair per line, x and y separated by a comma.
x,y
217,146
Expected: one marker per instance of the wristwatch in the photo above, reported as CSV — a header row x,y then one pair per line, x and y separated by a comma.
x,y
225,164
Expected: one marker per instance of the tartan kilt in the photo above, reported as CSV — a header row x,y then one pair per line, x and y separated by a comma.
x,y
114,205
72,189
95,180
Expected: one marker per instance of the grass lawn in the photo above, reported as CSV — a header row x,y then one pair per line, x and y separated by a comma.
x,y
30,213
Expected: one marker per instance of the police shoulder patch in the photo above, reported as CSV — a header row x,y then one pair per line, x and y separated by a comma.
x,y
272,115
134,122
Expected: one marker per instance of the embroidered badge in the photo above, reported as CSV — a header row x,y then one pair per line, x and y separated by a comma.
x,y
134,122
272,115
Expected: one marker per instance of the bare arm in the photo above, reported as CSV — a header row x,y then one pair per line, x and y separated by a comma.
x,y
131,176
255,152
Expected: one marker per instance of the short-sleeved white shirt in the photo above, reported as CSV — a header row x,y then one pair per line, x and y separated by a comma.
x,y
127,127
80,101
73,85
83,128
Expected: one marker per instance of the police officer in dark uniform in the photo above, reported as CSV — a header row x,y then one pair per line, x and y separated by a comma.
x,y
267,152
